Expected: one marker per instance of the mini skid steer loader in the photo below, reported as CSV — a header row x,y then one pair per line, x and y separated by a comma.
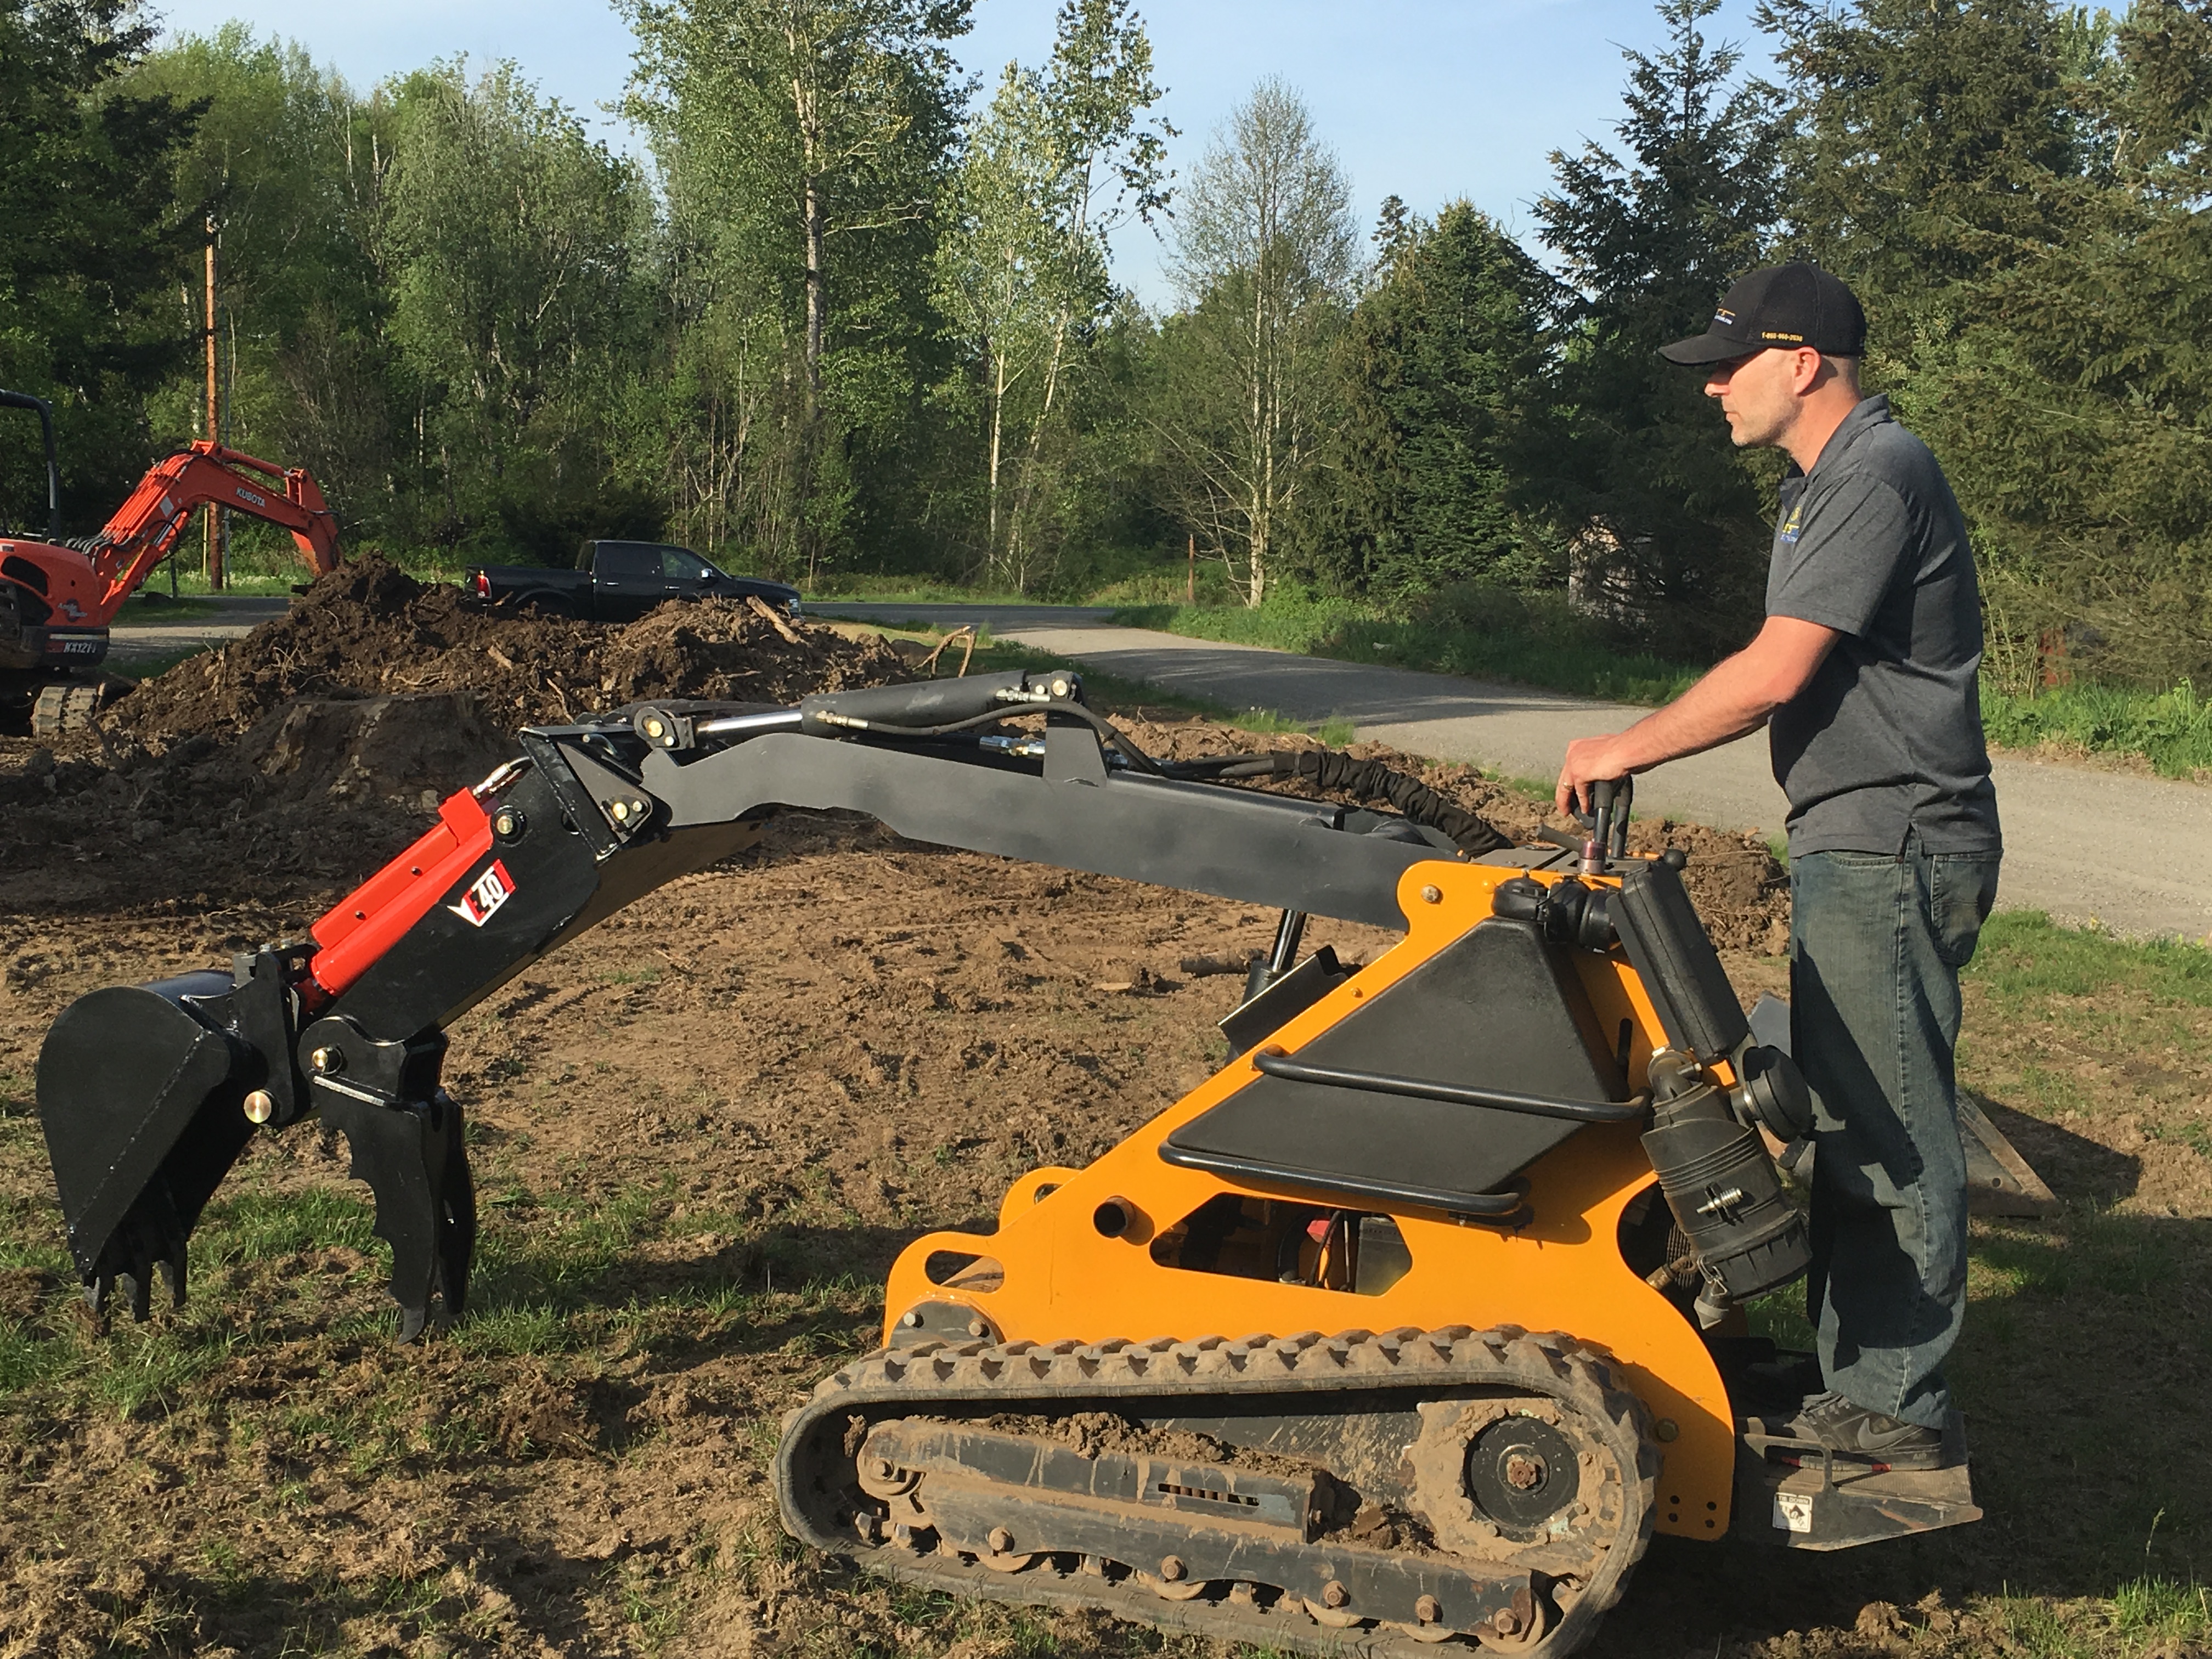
x,y
1408,1327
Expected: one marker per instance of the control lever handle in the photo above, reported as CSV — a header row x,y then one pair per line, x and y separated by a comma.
x,y
1607,822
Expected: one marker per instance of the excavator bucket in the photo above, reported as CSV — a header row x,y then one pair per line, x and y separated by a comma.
x,y
141,1095
147,1093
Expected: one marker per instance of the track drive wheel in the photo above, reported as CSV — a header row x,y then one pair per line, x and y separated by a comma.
x,y
60,709
1559,1480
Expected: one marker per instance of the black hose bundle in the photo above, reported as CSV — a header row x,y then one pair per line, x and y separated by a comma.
x,y
1332,771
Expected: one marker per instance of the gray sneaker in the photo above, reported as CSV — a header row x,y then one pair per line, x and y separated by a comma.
x,y
1863,1435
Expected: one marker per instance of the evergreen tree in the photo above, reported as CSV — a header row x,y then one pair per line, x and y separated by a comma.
x,y
1670,523
1928,139
2015,190
1445,412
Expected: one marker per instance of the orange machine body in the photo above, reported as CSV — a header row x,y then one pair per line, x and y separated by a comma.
x,y
1049,1274
86,589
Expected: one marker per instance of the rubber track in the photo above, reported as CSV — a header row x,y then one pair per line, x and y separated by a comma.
x,y
60,709
933,1378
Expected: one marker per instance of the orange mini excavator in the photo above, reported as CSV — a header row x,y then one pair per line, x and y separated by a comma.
x,y
1403,1332
58,598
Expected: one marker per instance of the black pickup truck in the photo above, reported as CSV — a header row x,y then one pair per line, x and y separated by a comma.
x,y
620,582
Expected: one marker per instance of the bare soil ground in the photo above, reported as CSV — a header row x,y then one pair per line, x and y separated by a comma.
x,y
702,1132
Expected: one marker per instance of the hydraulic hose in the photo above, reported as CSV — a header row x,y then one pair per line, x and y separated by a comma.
x,y
1331,770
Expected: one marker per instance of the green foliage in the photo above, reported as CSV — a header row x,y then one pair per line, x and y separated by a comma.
x,y
2015,188
2170,729
851,319
1445,415
95,236
1267,264
509,238
284,157
1669,527
1058,161
807,148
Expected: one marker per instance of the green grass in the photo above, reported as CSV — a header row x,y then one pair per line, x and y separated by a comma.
x,y
152,607
153,668
555,1280
2026,962
193,583
830,591
277,568
2173,730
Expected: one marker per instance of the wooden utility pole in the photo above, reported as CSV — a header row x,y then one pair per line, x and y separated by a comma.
x,y
1194,567
213,527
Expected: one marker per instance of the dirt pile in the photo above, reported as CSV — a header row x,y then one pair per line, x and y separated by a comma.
x,y
304,754
370,629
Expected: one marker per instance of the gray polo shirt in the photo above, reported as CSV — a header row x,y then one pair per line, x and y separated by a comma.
x,y
1886,738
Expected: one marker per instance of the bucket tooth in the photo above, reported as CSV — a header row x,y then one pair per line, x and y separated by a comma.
x,y
153,1240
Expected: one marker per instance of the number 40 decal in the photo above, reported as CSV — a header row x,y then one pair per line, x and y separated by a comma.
x,y
486,894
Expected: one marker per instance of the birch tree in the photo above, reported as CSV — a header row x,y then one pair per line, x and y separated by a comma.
x,y
825,129
1003,269
1061,161
1266,260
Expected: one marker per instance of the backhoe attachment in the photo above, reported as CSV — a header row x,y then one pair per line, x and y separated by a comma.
x,y
149,1093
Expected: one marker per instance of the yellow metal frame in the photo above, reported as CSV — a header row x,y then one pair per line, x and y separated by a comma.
x,y
1059,1279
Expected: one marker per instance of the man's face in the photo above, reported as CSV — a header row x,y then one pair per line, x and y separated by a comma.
x,y
1758,395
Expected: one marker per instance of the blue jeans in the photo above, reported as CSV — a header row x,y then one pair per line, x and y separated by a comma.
x,y
1875,946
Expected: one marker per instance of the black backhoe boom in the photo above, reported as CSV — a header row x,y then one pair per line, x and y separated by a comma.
x,y
149,1093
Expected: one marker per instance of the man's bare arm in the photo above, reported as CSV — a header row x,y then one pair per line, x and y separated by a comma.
x,y
1735,698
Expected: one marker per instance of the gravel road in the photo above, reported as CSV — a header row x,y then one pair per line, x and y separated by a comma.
x,y
146,637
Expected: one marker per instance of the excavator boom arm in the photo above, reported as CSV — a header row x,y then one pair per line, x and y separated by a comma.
x,y
144,529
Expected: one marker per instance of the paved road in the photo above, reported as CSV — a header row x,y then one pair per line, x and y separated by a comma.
x,y
2133,853
145,637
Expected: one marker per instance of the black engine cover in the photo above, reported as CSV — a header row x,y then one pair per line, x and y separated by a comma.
x,y
1500,1008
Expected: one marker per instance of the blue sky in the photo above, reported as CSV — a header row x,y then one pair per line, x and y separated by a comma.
x,y
1429,99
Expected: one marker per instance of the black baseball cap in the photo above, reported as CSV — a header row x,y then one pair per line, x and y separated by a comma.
x,y
1797,304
